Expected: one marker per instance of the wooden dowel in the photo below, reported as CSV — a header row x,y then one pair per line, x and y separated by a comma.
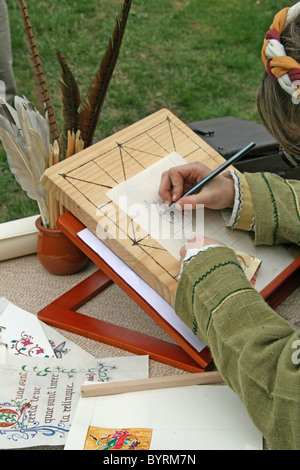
x,y
55,152
127,386
52,220
68,144
77,141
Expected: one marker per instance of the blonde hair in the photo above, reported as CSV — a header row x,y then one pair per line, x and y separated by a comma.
x,y
278,111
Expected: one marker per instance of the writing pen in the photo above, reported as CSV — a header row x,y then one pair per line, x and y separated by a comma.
x,y
241,153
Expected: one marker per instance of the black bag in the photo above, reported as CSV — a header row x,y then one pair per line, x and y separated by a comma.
x,y
228,135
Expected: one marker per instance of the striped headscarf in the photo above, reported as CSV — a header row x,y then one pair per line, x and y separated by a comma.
x,y
279,66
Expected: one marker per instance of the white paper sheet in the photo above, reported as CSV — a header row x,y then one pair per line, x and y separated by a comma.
x,y
183,418
138,197
22,332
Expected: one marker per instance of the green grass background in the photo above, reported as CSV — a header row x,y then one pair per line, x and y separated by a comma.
x,y
198,58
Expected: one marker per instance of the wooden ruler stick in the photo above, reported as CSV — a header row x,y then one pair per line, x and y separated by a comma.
x,y
127,386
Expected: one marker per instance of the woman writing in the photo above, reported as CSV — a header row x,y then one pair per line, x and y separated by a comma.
x,y
251,345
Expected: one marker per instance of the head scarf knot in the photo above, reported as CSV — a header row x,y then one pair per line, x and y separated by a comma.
x,y
279,66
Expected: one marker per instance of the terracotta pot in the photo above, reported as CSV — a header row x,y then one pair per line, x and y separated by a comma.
x,y
57,253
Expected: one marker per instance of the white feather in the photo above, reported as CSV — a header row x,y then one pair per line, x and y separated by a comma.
x,y
39,123
25,138
21,168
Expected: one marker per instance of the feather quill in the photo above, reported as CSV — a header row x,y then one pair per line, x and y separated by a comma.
x,y
70,101
38,69
90,111
21,168
26,153
35,149
38,123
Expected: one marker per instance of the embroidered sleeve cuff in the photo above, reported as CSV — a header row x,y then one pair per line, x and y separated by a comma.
x,y
191,254
242,216
276,207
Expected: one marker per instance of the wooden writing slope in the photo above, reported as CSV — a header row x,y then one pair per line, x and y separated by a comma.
x,y
80,183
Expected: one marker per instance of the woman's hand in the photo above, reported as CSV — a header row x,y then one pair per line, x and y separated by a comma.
x,y
217,194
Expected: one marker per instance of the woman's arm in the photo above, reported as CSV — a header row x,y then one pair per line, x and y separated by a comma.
x,y
253,348
276,208
268,205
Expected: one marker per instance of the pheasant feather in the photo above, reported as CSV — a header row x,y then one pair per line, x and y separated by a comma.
x,y
38,69
70,100
89,114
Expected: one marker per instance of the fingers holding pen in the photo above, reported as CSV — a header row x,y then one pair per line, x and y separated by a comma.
x,y
217,194
177,180
171,186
